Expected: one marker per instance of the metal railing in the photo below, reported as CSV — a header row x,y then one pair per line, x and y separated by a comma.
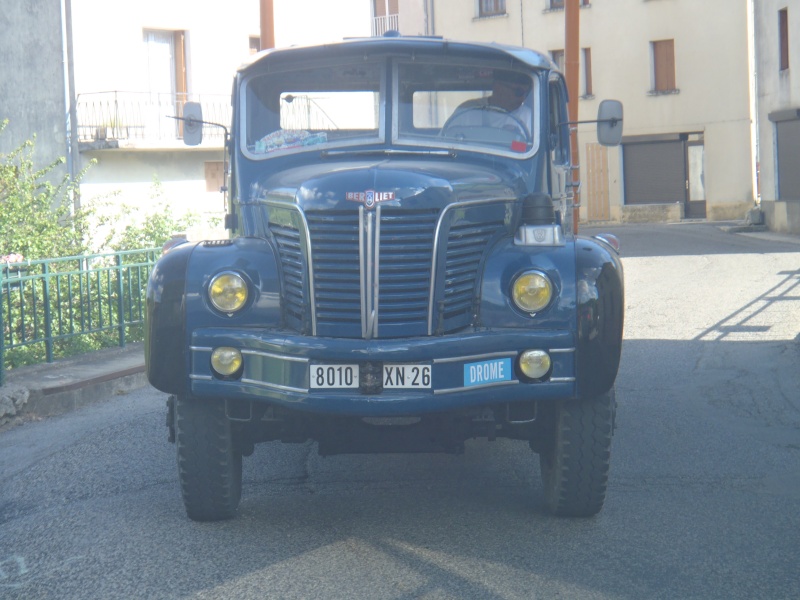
x,y
144,116
381,25
61,307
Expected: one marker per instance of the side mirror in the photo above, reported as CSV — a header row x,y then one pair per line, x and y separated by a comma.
x,y
609,123
192,123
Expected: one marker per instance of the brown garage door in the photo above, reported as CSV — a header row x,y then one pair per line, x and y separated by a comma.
x,y
789,159
655,172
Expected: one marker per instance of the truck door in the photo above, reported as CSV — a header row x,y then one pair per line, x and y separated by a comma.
x,y
558,140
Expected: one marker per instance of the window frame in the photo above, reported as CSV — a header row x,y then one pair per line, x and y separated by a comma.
x,y
490,8
586,73
559,4
663,67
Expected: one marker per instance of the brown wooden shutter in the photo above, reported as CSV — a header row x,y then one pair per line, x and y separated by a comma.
x,y
587,71
664,65
783,25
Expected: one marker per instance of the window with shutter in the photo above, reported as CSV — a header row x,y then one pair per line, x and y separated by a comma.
x,y
663,66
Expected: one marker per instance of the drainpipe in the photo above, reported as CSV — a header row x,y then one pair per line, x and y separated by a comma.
x,y
572,67
73,154
755,146
267,24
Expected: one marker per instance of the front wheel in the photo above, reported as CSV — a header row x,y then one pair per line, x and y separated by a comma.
x,y
576,453
209,462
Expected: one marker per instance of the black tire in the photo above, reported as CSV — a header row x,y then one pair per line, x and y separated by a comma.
x,y
209,463
576,454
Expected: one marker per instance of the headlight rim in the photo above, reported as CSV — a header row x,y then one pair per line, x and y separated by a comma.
x,y
247,290
551,295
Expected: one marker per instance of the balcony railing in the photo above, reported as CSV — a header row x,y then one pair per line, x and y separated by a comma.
x,y
146,117
381,25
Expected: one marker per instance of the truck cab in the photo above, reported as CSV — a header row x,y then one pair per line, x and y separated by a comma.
x,y
402,273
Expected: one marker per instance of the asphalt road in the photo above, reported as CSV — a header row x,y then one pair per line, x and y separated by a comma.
x,y
703,501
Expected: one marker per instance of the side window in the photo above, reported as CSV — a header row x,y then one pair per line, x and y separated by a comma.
x,y
558,129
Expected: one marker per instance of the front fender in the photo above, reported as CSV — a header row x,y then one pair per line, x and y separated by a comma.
x,y
165,322
177,302
600,313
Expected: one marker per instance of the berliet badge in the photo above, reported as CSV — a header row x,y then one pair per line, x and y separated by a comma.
x,y
369,198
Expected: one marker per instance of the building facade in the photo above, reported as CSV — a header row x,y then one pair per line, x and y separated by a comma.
x,y
681,69
777,35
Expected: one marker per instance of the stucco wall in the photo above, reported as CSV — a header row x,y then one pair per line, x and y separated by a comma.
x,y
32,78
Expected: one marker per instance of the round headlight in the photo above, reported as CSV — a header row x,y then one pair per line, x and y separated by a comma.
x,y
226,361
228,292
534,364
532,291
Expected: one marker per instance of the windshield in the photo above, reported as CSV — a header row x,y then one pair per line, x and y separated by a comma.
x,y
316,107
467,107
433,104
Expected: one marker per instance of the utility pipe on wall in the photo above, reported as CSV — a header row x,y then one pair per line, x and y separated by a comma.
x,y
572,66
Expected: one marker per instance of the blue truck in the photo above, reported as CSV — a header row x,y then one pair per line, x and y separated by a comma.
x,y
401,275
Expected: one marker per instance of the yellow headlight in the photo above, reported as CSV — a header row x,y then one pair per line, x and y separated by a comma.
x,y
532,291
534,363
228,292
226,361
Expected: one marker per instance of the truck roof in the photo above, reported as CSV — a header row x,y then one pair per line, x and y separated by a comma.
x,y
403,45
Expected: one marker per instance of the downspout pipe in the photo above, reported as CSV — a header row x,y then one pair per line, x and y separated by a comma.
x,y
572,67
73,153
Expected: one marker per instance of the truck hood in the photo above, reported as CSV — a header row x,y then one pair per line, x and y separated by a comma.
x,y
406,183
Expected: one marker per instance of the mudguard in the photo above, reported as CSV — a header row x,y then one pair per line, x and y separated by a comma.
x,y
600,314
165,322
177,302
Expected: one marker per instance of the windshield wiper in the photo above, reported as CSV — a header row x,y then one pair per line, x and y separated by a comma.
x,y
387,152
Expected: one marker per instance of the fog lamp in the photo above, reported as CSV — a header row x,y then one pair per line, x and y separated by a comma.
x,y
228,292
532,291
226,361
534,364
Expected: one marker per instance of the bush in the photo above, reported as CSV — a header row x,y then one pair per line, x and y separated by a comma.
x,y
36,215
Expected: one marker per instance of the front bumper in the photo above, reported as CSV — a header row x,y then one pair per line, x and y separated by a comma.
x,y
277,366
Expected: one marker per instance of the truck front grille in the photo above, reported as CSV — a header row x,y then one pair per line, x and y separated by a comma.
x,y
402,256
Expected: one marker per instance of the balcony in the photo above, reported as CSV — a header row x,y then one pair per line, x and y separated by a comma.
x,y
144,120
381,25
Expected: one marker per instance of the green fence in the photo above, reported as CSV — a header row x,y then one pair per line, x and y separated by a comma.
x,y
61,307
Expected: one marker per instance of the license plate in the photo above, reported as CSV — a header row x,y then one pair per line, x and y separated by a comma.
x,y
333,376
406,376
487,371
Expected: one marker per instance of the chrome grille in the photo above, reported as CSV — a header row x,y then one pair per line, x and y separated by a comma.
x,y
406,254
404,248
466,245
334,239
294,269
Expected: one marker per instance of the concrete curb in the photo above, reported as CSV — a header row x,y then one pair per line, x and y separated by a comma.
x,y
63,386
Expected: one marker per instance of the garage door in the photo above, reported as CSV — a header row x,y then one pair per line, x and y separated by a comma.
x,y
655,172
789,159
